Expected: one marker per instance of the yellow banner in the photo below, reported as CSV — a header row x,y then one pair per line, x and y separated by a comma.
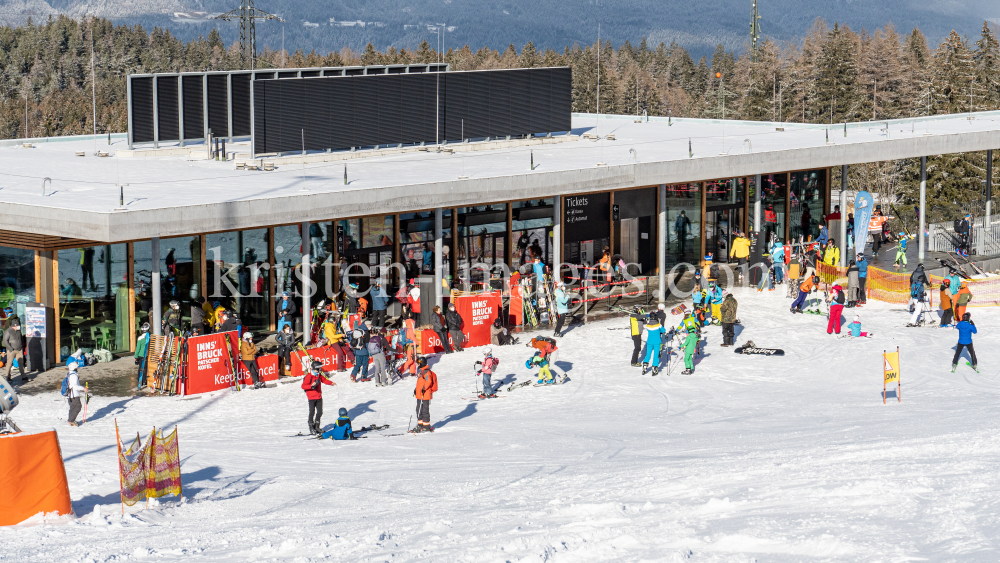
x,y
891,366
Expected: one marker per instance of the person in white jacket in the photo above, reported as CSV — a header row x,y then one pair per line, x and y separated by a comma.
x,y
74,392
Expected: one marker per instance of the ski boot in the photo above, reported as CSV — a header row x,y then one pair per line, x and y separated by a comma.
x,y
645,368
687,372
636,365
953,366
656,371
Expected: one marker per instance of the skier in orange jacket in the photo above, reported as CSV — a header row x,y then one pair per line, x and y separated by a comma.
x,y
427,384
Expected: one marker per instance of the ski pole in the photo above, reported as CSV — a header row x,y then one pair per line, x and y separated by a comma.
x,y
86,400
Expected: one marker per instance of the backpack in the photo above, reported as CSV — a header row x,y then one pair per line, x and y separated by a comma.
x,y
917,290
64,390
959,226
713,271
374,346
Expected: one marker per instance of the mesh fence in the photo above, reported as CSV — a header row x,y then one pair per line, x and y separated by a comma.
x,y
149,470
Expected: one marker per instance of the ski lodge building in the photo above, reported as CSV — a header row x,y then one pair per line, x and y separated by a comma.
x,y
243,172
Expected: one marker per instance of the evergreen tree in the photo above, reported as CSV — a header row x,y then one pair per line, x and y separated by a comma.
x,y
986,59
529,56
836,78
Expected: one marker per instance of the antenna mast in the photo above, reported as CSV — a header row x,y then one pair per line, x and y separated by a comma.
x,y
754,32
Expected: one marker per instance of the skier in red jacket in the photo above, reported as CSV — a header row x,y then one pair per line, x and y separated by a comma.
x,y
311,385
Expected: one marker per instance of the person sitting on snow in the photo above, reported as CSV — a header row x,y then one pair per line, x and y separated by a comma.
x,y
342,428
855,328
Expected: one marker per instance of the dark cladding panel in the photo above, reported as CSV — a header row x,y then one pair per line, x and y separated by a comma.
x,y
241,105
194,118
455,105
260,123
500,108
520,102
341,113
390,111
561,99
366,117
477,124
292,115
417,108
315,100
167,110
142,110
218,105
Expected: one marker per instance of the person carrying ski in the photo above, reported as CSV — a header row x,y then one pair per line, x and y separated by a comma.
x,y
248,355
900,251
855,328
485,368
805,288
966,328
836,308
314,394
654,341
427,384
74,391
286,343
562,307
359,346
286,310
728,318
542,363
961,300
947,312
342,428
690,326
636,323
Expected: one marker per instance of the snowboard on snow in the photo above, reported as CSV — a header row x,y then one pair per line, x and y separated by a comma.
x,y
752,349
679,310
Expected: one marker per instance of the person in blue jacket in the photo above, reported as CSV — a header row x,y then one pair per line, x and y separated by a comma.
x,y
955,281
562,306
778,261
966,328
342,428
715,296
380,301
824,235
862,265
654,339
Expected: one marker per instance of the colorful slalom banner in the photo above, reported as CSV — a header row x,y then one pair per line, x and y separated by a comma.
x,y
890,373
864,206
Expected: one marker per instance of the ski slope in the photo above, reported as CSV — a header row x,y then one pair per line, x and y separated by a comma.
x,y
753,458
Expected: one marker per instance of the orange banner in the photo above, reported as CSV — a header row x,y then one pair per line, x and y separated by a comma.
x,y
33,477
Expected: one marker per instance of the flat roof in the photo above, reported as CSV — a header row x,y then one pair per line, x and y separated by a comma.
x,y
171,195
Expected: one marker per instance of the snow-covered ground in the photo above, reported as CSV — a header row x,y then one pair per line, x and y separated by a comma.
x,y
752,458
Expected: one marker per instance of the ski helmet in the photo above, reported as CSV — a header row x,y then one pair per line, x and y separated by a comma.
x,y
284,294
662,306
857,318
488,352
317,365
174,305
422,361
145,327
247,336
966,317
342,412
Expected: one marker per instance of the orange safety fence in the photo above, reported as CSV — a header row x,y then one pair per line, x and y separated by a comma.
x,y
894,287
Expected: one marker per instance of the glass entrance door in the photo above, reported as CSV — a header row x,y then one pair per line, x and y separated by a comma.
x,y
719,227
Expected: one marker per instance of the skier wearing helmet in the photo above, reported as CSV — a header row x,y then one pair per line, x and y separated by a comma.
x,y
248,354
172,320
141,349
314,394
486,368
342,428
562,307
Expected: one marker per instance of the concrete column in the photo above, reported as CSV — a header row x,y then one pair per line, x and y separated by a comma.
x,y
306,286
843,216
661,243
987,228
756,203
155,286
438,245
922,241
556,237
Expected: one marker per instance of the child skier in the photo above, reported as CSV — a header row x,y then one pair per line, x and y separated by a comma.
x,y
74,391
855,328
314,393
836,308
342,428
690,325
920,302
427,384
486,368
141,348
804,289
900,252
966,328
544,375
946,307
654,339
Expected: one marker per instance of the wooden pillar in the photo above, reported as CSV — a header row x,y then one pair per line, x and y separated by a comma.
x,y
130,260
269,300
507,256
38,278
454,247
611,222
58,311
336,255
788,202
396,258
746,204
827,191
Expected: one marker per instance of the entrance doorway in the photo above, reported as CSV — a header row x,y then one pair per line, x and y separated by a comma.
x,y
720,223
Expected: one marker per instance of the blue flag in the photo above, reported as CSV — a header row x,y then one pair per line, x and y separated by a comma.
x,y
864,206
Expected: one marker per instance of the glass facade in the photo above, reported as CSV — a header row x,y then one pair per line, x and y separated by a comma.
x,y
416,243
684,223
17,281
366,240
93,299
482,239
531,231
237,274
807,193
180,276
774,191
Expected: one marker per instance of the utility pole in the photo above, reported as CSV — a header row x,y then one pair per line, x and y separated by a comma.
x,y
754,33
247,13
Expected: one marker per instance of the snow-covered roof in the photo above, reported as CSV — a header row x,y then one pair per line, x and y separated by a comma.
x,y
171,191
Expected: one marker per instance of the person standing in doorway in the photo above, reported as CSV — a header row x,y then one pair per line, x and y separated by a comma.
x,y
286,311
682,228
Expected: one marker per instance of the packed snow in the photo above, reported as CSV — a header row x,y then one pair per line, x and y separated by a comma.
x,y
752,458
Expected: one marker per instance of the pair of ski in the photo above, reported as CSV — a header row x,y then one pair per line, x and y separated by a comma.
x,y
369,428
968,363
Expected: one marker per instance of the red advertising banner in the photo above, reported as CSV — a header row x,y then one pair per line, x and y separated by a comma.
x,y
209,367
333,357
478,312
430,342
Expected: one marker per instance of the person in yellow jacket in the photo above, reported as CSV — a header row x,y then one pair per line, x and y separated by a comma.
x,y
210,320
706,271
217,315
740,250
831,256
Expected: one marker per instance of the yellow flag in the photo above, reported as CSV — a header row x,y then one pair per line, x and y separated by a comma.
x,y
891,366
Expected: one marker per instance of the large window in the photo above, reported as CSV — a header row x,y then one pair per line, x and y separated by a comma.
x,y
773,206
531,231
17,280
808,193
482,235
683,223
369,241
180,276
93,299
238,261
416,243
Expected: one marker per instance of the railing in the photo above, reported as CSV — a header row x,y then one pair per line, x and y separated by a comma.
x,y
985,239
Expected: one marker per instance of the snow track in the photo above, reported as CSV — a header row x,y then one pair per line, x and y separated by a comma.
x,y
783,459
